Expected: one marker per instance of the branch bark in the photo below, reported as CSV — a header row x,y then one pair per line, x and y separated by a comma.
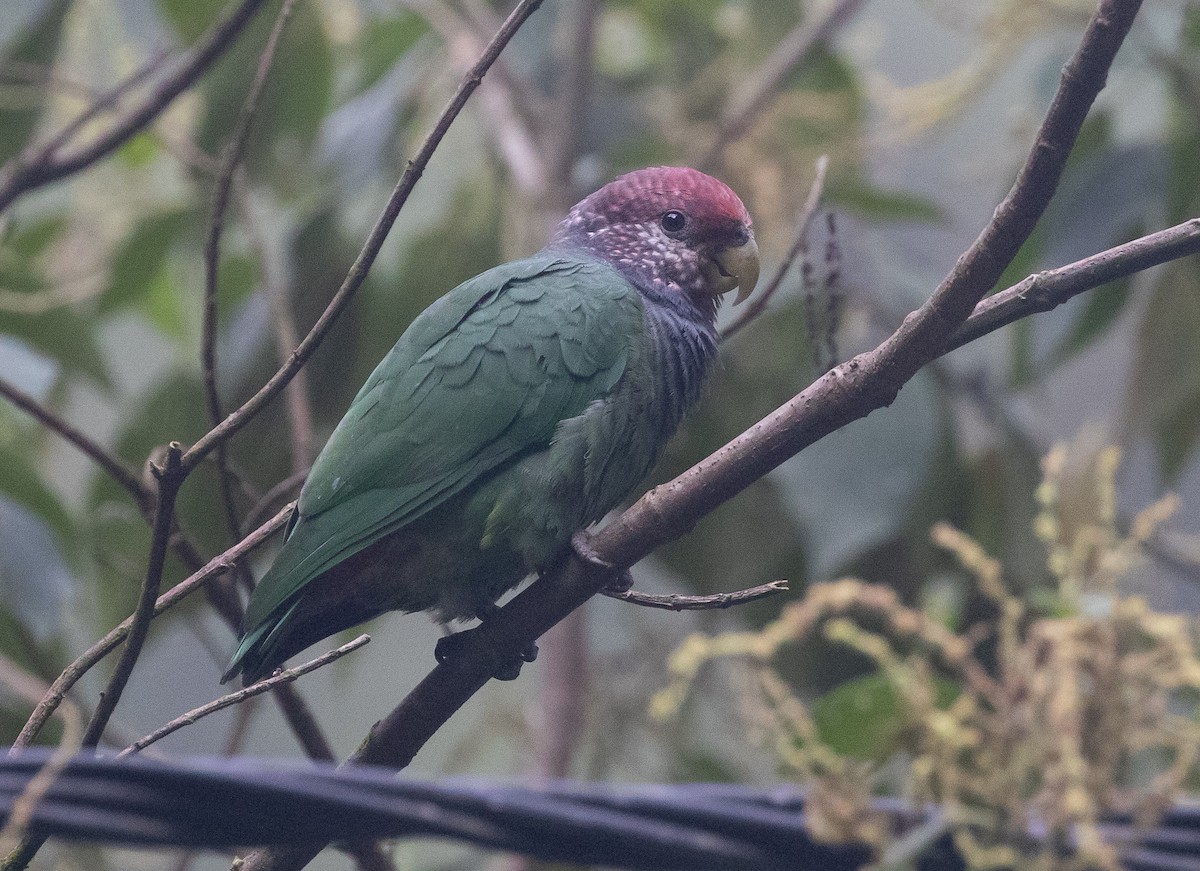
x,y
716,601
846,393
42,166
1050,289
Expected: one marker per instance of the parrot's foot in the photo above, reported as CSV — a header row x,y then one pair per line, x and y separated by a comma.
x,y
450,647
622,578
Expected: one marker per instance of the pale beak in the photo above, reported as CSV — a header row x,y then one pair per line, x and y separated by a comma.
x,y
737,267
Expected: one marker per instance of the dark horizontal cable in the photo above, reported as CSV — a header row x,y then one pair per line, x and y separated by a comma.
x,y
235,802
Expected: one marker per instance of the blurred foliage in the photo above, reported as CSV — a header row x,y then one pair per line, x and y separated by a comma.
x,y
101,285
1063,705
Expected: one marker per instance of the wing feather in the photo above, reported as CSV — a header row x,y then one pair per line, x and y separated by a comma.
x,y
482,376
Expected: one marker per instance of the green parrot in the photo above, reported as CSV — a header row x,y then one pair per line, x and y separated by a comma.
x,y
519,408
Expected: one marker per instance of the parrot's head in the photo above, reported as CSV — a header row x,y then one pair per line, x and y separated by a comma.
x,y
671,230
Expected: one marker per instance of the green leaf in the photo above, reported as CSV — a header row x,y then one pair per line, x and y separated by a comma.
x,y
139,151
1101,309
865,717
34,578
1190,32
191,18
31,238
20,482
139,260
21,248
856,195
384,40
62,335
38,46
1164,394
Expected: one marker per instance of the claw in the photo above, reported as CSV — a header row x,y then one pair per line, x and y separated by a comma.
x,y
450,647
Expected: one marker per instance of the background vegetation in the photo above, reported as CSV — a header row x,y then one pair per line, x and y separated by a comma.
x,y
925,110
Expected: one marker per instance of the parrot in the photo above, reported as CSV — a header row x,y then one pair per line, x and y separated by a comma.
x,y
516,410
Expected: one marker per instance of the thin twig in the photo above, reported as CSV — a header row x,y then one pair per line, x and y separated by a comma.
x,y
514,138
235,150
677,602
31,688
116,469
170,478
99,105
13,834
800,243
791,52
21,175
370,249
295,711
299,408
43,76
286,676
1047,290
73,672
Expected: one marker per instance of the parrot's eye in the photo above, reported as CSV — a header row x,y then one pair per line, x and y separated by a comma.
x,y
674,221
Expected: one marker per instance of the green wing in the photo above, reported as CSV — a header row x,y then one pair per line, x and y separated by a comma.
x,y
483,375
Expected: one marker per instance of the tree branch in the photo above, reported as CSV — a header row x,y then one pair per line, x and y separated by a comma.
x,y
286,676
295,711
1050,289
111,464
366,257
29,171
101,104
846,393
678,602
170,478
235,150
72,673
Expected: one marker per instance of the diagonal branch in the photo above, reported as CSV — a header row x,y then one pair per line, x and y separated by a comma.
x,y
1050,289
110,463
295,710
40,167
170,479
235,151
366,257
238,696
844,394
110,642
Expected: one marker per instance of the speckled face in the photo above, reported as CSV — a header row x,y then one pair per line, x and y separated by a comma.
x,y
668,228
